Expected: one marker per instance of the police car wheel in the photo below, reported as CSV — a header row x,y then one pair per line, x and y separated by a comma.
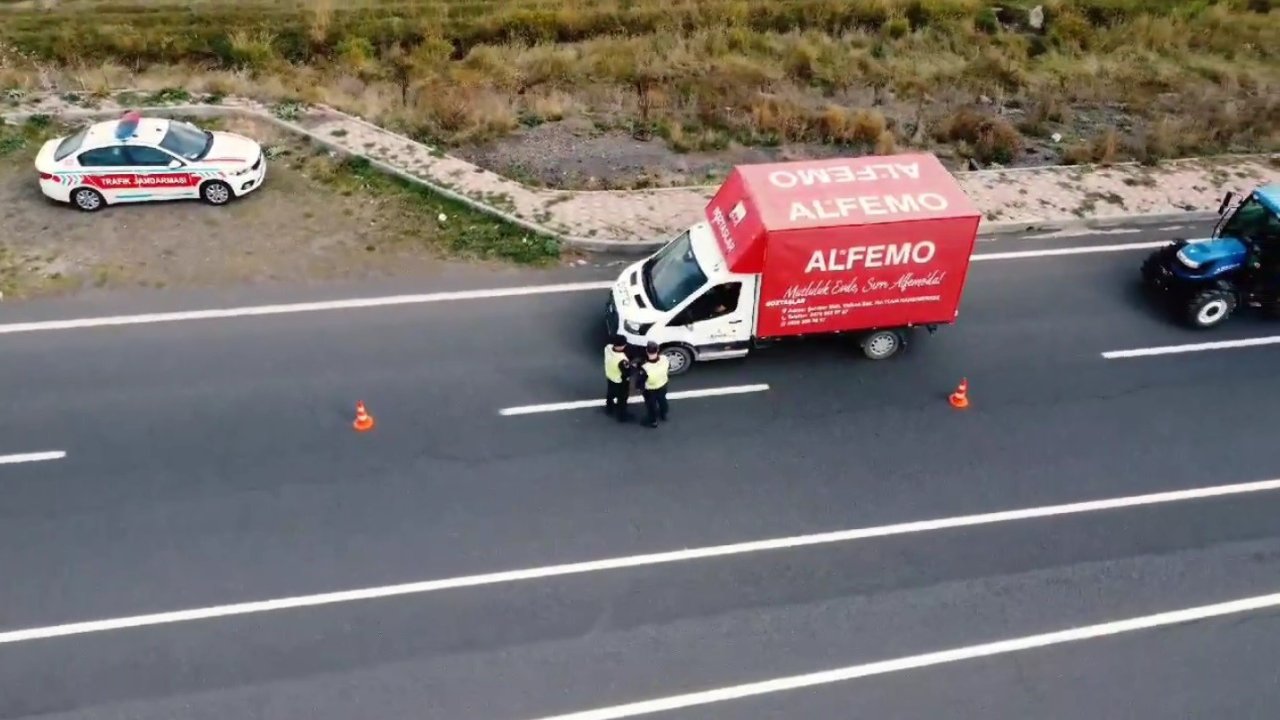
x,y
679,359
216,192
87,199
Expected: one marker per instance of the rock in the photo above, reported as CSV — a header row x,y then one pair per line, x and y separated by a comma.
x,y
1035,17
984,100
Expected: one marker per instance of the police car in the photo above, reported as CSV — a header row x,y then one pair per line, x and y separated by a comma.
x,y
137,159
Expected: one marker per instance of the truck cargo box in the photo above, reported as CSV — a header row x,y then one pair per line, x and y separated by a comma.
x,y
847,244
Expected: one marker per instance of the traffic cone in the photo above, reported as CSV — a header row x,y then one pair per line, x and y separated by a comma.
x,y
960,398
364,421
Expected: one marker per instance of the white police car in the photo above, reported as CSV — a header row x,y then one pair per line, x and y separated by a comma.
x,y
136,159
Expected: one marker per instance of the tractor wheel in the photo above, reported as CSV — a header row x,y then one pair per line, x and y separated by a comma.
x,y
1208,308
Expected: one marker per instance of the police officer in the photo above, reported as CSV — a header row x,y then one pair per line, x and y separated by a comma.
x,y
617,370
654,372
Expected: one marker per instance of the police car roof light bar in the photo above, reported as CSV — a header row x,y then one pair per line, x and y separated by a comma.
x,y
128,125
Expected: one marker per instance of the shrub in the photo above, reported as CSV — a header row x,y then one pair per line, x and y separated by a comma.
x,y
991,138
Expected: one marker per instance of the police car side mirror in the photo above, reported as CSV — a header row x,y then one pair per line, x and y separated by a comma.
x,y
174,164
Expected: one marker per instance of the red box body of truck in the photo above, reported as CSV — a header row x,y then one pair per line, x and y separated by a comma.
x,y
847,244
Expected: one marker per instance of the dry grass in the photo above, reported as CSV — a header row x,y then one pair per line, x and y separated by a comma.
x,y
1187,77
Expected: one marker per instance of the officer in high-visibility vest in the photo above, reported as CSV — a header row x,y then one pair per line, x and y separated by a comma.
x,y
655,371
617,370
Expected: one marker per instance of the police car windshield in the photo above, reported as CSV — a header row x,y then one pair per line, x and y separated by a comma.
x,y
673,274
187,140
1252,221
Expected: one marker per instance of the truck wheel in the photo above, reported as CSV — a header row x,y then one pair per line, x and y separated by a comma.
x,y
679,358
1210,307
881,344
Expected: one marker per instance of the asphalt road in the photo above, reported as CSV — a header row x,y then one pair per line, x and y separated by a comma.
x,y
213,462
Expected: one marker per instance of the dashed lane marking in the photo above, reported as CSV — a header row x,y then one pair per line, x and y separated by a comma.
x,y
32,457
1193,347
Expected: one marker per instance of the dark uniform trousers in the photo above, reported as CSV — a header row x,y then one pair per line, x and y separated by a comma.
x,y
655,405
615,399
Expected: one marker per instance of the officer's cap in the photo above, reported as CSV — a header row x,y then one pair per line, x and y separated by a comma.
x,y
618,341
652,348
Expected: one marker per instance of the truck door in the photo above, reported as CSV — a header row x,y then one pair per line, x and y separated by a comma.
x,y
717,322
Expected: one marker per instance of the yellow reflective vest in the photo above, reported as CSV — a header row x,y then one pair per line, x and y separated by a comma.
x,y
612,357
655,373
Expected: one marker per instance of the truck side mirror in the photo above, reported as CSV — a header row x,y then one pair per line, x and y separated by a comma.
x,y
1226,202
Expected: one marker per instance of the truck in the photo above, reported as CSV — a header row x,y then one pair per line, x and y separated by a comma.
x,y
872,248
1204,281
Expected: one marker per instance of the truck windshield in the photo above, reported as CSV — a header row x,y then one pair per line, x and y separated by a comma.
x,y
673,274
1252,221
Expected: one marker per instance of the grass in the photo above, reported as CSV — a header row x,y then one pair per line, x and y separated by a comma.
x,y
452,227
1119,79
22,141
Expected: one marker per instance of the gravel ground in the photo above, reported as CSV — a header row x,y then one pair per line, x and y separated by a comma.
x,y
575,154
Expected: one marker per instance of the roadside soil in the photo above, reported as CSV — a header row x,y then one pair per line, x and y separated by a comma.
x,y
576,154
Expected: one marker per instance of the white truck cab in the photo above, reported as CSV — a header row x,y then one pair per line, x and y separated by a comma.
x,y
685,298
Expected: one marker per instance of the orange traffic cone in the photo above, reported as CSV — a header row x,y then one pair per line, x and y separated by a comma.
x,y
364,421
960,398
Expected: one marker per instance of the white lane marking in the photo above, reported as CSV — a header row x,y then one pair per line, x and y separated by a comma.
x,y
1193,347
303,307
635,398
32,457
1023,254
915,662
357,303
617,563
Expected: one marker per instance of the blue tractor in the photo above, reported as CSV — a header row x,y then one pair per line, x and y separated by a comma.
x,y
1204,281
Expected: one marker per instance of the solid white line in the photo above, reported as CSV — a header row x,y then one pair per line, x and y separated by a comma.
x,y
1089,249
913,662
617,563
32,457
1194,347
357,303
302,307
677,395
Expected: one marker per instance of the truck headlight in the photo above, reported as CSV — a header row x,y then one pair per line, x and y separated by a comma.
x,y
636,328
1182,258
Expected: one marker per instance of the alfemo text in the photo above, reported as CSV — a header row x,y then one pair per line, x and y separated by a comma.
x,y
867,206
871,172
871,256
